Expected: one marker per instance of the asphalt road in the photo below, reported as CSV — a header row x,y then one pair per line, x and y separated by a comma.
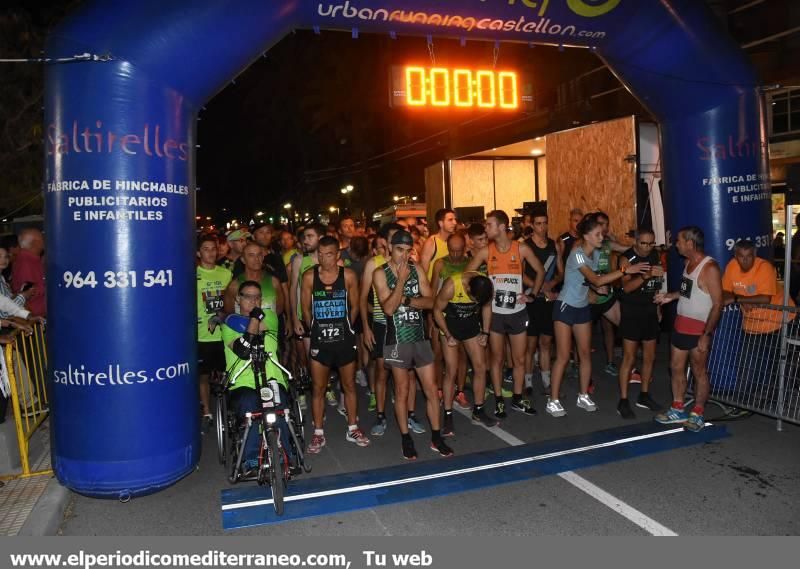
x,y
746,484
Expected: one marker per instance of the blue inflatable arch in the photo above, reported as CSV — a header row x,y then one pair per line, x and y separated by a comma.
x,y
120,181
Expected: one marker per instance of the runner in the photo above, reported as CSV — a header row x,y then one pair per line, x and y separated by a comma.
x,y
271,292
435,247
454,263
568,238
540,311
374,323
699,310
504,260
299,266
463,313
404,293
572,314
212,281
605,307
639,320
327,294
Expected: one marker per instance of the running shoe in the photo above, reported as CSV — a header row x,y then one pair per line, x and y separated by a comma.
x,y
694,423
330,397
441,447
357,436
500,410
481,418
636,376
379,428
508,375
528,382
507,393
523,406
555,408
447,425
624,409
317,442
340,408
409,452
372,402
461,400
611,369
672,416
415,426
585,402
361,378
646,402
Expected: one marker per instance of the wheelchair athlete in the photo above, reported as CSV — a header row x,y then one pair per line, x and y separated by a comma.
x,y
240,335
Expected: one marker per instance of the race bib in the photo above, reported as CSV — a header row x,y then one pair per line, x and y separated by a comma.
x,y
330,333
505,299
213,304
686,287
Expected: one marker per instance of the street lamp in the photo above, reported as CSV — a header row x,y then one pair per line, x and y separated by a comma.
x,y
259,214
287,206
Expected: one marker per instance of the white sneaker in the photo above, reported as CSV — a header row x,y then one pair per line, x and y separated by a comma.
x,y
555,408
585,402
361,378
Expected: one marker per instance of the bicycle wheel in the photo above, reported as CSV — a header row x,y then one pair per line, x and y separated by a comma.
x,y
276,479
220,415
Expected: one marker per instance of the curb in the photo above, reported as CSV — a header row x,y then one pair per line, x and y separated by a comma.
x,y
48,512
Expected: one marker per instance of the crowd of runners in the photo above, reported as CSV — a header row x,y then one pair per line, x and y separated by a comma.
x,y
476,316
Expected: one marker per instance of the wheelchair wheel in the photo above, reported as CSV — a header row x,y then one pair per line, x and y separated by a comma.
x,y
277,481
220,418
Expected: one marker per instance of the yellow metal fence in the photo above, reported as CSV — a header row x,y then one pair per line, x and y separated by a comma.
x,y
26,365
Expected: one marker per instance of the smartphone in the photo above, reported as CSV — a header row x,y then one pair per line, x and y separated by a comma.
x,y
26,286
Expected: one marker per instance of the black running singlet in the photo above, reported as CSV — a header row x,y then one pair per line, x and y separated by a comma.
x,y
330,324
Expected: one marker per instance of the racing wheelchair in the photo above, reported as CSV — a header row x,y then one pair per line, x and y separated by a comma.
x,y
276,463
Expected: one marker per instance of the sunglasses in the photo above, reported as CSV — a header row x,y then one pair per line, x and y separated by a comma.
x,y
251,297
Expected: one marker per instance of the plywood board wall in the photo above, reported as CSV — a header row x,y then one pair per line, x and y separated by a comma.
x,y
434,191
472,183
515,183
541,164
587,168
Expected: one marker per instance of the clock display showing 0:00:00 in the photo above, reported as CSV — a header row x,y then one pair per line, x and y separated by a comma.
x,y
443,87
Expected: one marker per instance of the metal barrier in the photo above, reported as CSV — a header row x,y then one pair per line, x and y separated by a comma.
x,y
754,362
26,367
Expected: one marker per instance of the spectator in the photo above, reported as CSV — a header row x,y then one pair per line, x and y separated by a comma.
x,y
5,289
11,244
28,268
751,281
794,283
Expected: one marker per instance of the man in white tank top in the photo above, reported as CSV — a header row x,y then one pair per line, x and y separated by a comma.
x,y
699,310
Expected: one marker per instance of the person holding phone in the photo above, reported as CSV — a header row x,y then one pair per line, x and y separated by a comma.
x,y
572,315
639,320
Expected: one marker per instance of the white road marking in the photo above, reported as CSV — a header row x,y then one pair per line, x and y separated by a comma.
x,y
447,474
622,508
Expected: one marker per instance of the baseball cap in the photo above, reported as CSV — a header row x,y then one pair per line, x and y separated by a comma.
x,y
402,238
239,234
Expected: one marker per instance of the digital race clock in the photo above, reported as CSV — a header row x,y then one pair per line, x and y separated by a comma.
x,y
459,88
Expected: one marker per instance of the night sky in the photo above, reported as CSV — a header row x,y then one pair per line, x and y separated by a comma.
x,y
314,116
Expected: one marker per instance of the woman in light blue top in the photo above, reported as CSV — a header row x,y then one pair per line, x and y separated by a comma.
x,y
571,313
